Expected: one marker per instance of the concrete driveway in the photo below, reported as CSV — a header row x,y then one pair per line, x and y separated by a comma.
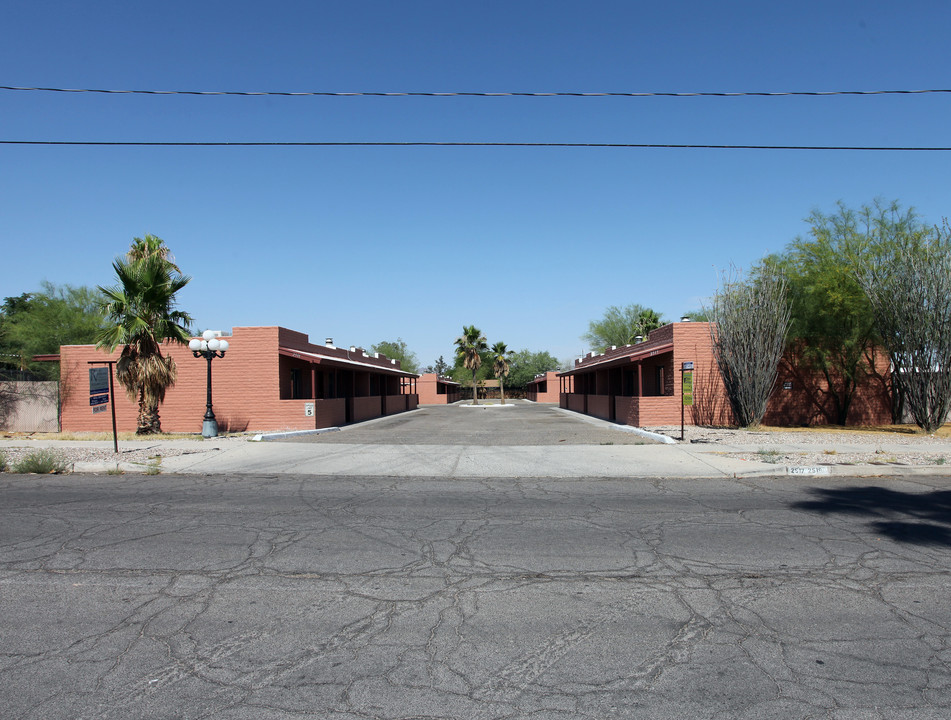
x,y
517,422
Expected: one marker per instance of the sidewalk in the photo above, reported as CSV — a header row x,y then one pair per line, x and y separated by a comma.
x,y
241,455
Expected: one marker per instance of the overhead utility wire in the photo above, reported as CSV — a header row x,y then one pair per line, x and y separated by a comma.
x,y
681,146
479,94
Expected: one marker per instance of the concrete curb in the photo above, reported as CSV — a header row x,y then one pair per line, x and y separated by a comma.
x,y
292,433
664,439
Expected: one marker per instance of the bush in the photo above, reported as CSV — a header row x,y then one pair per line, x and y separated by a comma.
x,y
3,462
42,462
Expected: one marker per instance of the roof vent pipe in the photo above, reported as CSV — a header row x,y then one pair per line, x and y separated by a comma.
x,y
685,319
330,342
638,339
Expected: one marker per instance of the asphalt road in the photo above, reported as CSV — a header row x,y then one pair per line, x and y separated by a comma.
x,y
301,597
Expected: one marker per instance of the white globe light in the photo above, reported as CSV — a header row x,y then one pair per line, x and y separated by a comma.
x,y
213,344
194,344
204,346
208,334
223,345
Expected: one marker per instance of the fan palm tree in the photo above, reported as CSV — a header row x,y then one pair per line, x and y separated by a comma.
x,y
140,314
501,358
469,347
151,245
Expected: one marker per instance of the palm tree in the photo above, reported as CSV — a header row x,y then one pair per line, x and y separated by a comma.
x,y
501,356
140,314
151,245
469,347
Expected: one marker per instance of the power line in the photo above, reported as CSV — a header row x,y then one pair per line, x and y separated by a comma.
x,y
478,94
673,146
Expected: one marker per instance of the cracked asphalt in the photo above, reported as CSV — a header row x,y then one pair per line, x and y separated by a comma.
x,y
273,596
289,597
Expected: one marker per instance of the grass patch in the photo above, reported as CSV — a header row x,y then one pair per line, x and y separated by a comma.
x,y
154,466
42,462
769,456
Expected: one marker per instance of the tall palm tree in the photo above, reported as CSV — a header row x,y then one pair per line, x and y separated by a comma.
x,y
469,347
151,245
140,314
501,357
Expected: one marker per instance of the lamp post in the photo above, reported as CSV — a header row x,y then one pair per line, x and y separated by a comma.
x,y
208,347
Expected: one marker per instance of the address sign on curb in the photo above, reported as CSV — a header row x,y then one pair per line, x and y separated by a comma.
x,y
802,470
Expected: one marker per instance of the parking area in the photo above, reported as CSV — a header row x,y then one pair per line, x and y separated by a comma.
x,y
519,422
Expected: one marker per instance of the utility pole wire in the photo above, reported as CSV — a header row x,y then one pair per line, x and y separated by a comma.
x,y
811,93
304,143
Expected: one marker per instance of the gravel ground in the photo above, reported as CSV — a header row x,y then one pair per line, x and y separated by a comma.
x,y
71,454
821,447
776,446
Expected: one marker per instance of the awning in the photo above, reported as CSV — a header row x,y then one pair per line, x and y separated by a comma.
x,y
335,362
634,354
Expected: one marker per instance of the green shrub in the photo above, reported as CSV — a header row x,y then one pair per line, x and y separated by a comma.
x,y
3,462
43,462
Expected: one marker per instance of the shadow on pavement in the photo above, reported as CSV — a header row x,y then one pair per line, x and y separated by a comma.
x,y
915,518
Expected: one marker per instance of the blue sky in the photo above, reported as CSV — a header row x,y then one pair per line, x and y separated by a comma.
x,y
530,244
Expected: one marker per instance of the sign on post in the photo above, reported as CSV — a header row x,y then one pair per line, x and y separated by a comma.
x,y
100,392
98,389
686,386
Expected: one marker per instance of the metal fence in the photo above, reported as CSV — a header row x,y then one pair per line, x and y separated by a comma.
x,y
29,406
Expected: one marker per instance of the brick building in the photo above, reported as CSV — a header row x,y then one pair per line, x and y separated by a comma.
x,y
434,389
545,388
271,378
641,385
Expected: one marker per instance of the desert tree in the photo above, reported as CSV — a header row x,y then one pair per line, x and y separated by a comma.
x,y
620,326
469,348
397,350
832,332
907,277
750,320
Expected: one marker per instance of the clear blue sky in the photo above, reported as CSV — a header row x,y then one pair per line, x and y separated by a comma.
x,y
528,244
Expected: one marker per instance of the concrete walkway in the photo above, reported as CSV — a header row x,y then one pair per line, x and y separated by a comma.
x,y
365,450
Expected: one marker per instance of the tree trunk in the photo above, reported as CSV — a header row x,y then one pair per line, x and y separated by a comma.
x,y
475,389
148,422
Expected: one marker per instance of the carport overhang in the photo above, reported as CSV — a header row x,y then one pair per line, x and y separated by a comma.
x,y
636,355
343,364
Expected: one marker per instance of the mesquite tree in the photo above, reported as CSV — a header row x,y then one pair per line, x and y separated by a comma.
x,y
908,282
750,320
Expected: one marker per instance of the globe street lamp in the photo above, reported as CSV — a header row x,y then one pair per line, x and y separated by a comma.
x,y
208,347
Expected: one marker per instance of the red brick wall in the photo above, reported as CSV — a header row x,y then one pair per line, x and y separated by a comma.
x,y
426,389
245,389
245,383
552,388
807,403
